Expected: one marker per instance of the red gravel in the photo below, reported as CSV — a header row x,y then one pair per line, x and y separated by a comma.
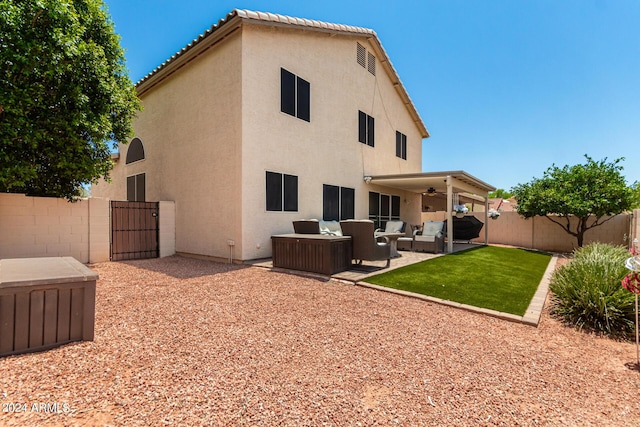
x,y
188,342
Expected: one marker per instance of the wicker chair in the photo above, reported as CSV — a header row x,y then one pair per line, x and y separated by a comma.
x,y
431,239
306,226
406,243
392,227
365,246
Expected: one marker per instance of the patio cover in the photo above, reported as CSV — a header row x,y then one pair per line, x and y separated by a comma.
x,y
448,182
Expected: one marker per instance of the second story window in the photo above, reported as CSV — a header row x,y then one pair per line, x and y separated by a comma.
x,y
295,95
401,145
135,152
366,127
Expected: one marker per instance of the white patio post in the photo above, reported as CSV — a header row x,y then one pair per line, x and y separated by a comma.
x,y
449,215
486,219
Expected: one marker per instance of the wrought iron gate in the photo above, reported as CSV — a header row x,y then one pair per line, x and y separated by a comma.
x,y
134,230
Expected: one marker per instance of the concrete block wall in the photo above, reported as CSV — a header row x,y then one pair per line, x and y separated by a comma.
x,y
50,227
540,233
44,227
552,237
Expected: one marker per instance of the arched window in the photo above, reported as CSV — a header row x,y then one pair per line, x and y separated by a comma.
x,y
135,151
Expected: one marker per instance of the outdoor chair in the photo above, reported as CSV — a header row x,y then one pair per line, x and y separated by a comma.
x,y
431,239
306,226
392,227
365,246
406,243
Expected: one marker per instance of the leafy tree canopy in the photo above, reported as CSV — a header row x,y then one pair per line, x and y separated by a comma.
x,y
588,191
636,195
65,95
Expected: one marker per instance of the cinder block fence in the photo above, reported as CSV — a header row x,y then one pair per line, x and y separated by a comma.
x,y
540,233
52,227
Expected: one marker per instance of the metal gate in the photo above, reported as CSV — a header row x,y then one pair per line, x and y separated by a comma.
x,y
134,230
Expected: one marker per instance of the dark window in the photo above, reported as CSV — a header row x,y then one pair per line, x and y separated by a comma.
x,y
304,100
135,151
136,188
338,203
401,145
274,191
288,92
384,205
290,193
295,95
330,202
374,204
347,203
395,207
281,192
131,188
362,127
366,126
383,208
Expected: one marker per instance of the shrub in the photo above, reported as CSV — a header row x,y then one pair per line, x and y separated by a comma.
x,y
587,291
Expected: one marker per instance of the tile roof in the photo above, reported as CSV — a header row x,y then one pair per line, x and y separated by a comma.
x,y
277,19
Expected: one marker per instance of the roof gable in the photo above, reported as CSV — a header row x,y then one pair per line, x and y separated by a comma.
x,y
229,24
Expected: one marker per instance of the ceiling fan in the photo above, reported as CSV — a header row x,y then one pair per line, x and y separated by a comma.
x,y
430,192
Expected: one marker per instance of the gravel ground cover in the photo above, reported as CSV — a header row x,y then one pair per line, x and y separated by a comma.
x,y
188,342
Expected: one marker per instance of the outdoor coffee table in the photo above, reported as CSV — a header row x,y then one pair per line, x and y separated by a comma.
x,y
393,242
316,253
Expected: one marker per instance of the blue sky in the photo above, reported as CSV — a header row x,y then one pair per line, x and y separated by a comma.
x,y
506,87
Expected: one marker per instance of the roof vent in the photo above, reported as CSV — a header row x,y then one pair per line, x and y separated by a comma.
x,y
362,53
372,64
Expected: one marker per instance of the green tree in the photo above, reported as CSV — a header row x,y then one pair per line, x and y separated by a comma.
x,y
65,96
500,193
588,192
635,187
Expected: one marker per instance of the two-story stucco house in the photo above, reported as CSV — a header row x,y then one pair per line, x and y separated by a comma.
x,y
265,119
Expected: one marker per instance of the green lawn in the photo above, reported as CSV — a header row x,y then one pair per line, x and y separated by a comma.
x,y
502,279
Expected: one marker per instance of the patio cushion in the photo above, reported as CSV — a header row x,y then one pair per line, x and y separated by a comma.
x,y
331,228
432,228
425,238
394,227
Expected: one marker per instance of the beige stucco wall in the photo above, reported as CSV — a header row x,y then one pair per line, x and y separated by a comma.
x,y
325,150
46,227
191,131
540,233
213,128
